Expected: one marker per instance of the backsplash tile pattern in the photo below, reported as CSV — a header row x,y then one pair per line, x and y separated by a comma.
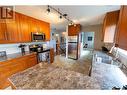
x,y
122,55
13,48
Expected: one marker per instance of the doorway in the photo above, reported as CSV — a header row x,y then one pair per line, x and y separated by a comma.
x,y
87,43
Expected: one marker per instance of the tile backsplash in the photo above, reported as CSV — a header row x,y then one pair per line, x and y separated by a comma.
x,y
122,55
13,48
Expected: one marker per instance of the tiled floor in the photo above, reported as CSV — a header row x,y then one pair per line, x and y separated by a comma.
x,y
82,65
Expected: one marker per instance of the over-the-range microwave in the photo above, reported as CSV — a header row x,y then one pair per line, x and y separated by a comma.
x,y
37,36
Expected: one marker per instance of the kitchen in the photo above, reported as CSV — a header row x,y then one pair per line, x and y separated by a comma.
x,y
31,60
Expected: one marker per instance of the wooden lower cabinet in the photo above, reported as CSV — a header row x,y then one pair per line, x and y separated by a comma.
x,y
51,55
10,67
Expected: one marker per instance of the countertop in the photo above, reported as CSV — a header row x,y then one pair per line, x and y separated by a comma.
x,y
14,55
19,54
52,77
108,75
44,50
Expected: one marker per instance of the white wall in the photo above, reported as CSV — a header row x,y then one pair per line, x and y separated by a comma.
x,y
97,29
52,42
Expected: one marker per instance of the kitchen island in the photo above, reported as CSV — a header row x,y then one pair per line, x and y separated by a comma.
x,y
47,76
106,72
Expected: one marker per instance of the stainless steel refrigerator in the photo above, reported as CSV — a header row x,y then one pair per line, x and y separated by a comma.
x,y
73,47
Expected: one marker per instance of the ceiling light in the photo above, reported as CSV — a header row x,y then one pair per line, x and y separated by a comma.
x,y
48,10
60,17
71,23
74,25
64,15
60,13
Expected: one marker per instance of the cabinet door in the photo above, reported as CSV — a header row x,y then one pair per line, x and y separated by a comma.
x,y
51,55
47,31
121,38
10,67
13,29
31,60
24,31
45,28
3,35
33,25
109,26
74,30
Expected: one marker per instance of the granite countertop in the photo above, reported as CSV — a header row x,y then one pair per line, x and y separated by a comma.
x,y
14,55
52,77
108,75
44,50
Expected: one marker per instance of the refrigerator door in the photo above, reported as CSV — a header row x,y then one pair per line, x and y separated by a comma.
x,y
73,47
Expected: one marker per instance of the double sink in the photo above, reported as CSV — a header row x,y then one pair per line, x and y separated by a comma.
x,y
101,57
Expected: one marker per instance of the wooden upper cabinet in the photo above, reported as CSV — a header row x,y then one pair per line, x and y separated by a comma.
x,y
33,25
47,31
44,27
109,26
74,30
19,29
25,33
3,35
13,29
121,33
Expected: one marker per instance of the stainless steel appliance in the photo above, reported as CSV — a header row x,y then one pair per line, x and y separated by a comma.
x,y
37,36
43,53
73,47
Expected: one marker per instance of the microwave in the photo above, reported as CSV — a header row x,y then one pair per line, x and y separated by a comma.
x,y
37,36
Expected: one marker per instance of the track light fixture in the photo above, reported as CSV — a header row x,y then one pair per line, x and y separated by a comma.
x,y
65,15
61,14
60,17
48,9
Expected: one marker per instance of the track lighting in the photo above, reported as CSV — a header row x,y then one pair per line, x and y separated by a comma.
x,y
60,13
64,15
74,25
48,10
71,23
60,17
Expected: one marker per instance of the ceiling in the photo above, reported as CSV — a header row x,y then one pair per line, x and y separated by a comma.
x,y
85,15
